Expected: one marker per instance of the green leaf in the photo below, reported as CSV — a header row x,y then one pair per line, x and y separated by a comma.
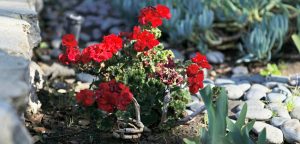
x,y
262,137
189,141
296,39
241,120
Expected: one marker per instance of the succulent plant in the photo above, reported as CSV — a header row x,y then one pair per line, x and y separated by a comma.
x,y
261,25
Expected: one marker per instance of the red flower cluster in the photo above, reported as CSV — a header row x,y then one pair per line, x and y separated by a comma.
x,y
154,15
195,72
109,96
144,39
86,97
113,95
72,52
98,52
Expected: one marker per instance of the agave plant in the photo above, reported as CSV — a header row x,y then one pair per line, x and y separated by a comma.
x,y
261,25
221,129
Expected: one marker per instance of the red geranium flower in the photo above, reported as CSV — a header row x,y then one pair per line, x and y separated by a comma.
x,y
154,15
163,11
69,40
113,95
113,43
86,97
192,70
201,60
144,39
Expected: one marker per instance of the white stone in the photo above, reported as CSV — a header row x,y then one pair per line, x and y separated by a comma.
x,y
22,9
296,113
291,130
278,121
274,135
233,91
252,104
14,37
276,97
258,114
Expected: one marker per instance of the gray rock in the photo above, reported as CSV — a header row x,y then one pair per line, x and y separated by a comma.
x,y
196,106
278,121
194,99
85,77
281,111
291,130
296,113
14,36
280,79
295,100
274,135
252,104
56,70
258,114
282,89
240,70
273,106
260,87
215,57
12,131
59,85
223,81
240,78
244,85
208,81
257,78
233,106
275,97
271,84
233,91
254,94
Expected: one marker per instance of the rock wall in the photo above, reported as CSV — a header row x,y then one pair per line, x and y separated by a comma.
x,y
19,34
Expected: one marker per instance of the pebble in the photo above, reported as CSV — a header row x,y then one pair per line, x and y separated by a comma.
x,y
257,78
240,70
215,57
258,114
233,91
223,81
294,99
280,79
81,86
45,58
96,33
255,94
252,104
194,99
282,89
59,85
278,121
296,113
275,97
281,112
196,106
260,87
244,85
274,135
85,77
291,130
62,91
